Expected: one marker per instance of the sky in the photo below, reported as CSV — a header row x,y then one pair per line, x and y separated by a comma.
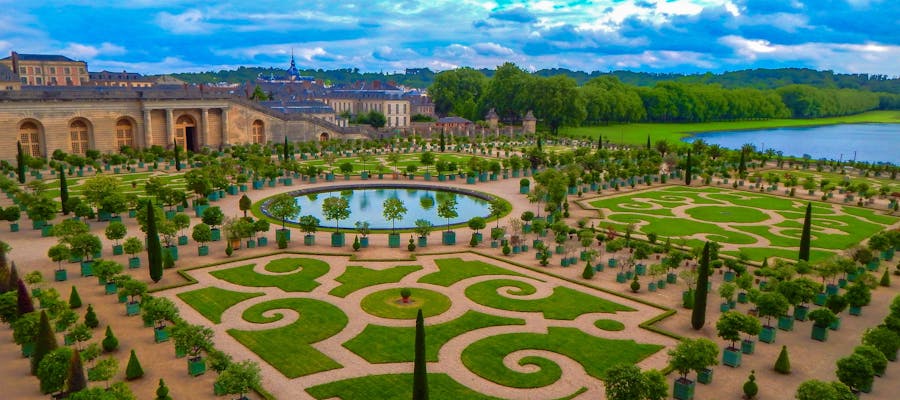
x,y
689,36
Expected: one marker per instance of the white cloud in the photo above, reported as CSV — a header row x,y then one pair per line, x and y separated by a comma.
x,y
845,57
189,22
83,51
492,49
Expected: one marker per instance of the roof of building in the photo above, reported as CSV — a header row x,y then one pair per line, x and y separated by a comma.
x,y
116,76
530,116
453,120
41,57
491,114
304,106
7,75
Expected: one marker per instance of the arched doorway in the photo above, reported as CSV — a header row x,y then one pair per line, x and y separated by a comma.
x,y
186,133
258,132
323,137
30,138
124,133
79,137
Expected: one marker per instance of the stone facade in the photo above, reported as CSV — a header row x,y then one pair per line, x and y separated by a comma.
x,y
73,125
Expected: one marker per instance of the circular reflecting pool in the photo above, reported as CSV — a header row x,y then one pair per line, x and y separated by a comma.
x,y
367,204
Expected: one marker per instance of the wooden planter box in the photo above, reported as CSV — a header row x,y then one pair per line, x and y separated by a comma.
x,y
748,346
683,389
731,357
767,334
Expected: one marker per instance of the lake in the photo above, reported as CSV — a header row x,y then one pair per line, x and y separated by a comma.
x,y
862,142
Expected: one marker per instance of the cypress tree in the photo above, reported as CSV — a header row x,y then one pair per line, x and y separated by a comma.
x,y
76,381
24,305
20,162
63,190
44,343
133,370
885,279
285,151
742,164
12,280
90,318
600,142
177,157
805,236
154,251
74,298
162,391
420,373
443,144
687,173
110,342
698,314
783,364
648,142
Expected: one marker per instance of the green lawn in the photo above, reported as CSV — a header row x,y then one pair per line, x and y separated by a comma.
x,y
355,278
485,357
389,344
388,304
394,387
453,270
564,303
211,302
288,348
300,281
743,213
609,325
636,134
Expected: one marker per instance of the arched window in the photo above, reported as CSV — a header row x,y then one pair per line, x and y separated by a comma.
x,y
124,133
78,137
30,137
258,132
323,137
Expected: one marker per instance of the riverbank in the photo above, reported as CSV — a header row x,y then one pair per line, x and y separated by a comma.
x,y
636,134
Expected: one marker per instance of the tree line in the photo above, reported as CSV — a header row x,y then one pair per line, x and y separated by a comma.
x,y
559,100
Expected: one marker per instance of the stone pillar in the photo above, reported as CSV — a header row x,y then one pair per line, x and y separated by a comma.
x,y
148,139
204,127
170,129
224,126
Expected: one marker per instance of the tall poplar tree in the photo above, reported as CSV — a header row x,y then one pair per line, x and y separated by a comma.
x,y
805,236
45,342
443,142
154,251
698,314
285,151
20,162
63,190
648,142
420,373
742,164
76,381
687,173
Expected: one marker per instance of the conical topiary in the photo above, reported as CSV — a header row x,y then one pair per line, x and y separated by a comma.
x,y
76,381
90,318
74,298
133,370
588,272
13,279
110,342
750,387
24,305
783,364
885,279
44,343
162,392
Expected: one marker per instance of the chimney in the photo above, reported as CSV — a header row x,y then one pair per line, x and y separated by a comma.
x,y
15,62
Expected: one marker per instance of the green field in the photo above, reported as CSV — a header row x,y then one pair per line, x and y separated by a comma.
x,y
759,225
316,308
636,134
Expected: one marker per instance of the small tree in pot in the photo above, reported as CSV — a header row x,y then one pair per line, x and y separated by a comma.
x,y
691,355
193,338
404,294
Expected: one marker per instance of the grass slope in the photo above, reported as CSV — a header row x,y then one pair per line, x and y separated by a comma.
x,y
211,302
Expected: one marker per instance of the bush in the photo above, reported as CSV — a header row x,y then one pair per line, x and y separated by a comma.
x,y
750,387
162,392
133,370
282,244
883,339
588,272
783,364
90,318
876,358
74,298
635,285
110,343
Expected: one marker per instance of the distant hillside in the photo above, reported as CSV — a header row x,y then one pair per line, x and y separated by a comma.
x,y
423,77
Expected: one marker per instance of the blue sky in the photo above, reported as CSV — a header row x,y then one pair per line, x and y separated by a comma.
x,y
159,36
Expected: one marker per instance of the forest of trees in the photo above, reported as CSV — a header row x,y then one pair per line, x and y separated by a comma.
x,y
558,100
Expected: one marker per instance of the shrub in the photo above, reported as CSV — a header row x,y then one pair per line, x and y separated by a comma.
x,y
588,272
876,358
783,364
90,318
883,339
133,370
74,298
855,371
162,392
750,387
282,244
635,285
110,343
